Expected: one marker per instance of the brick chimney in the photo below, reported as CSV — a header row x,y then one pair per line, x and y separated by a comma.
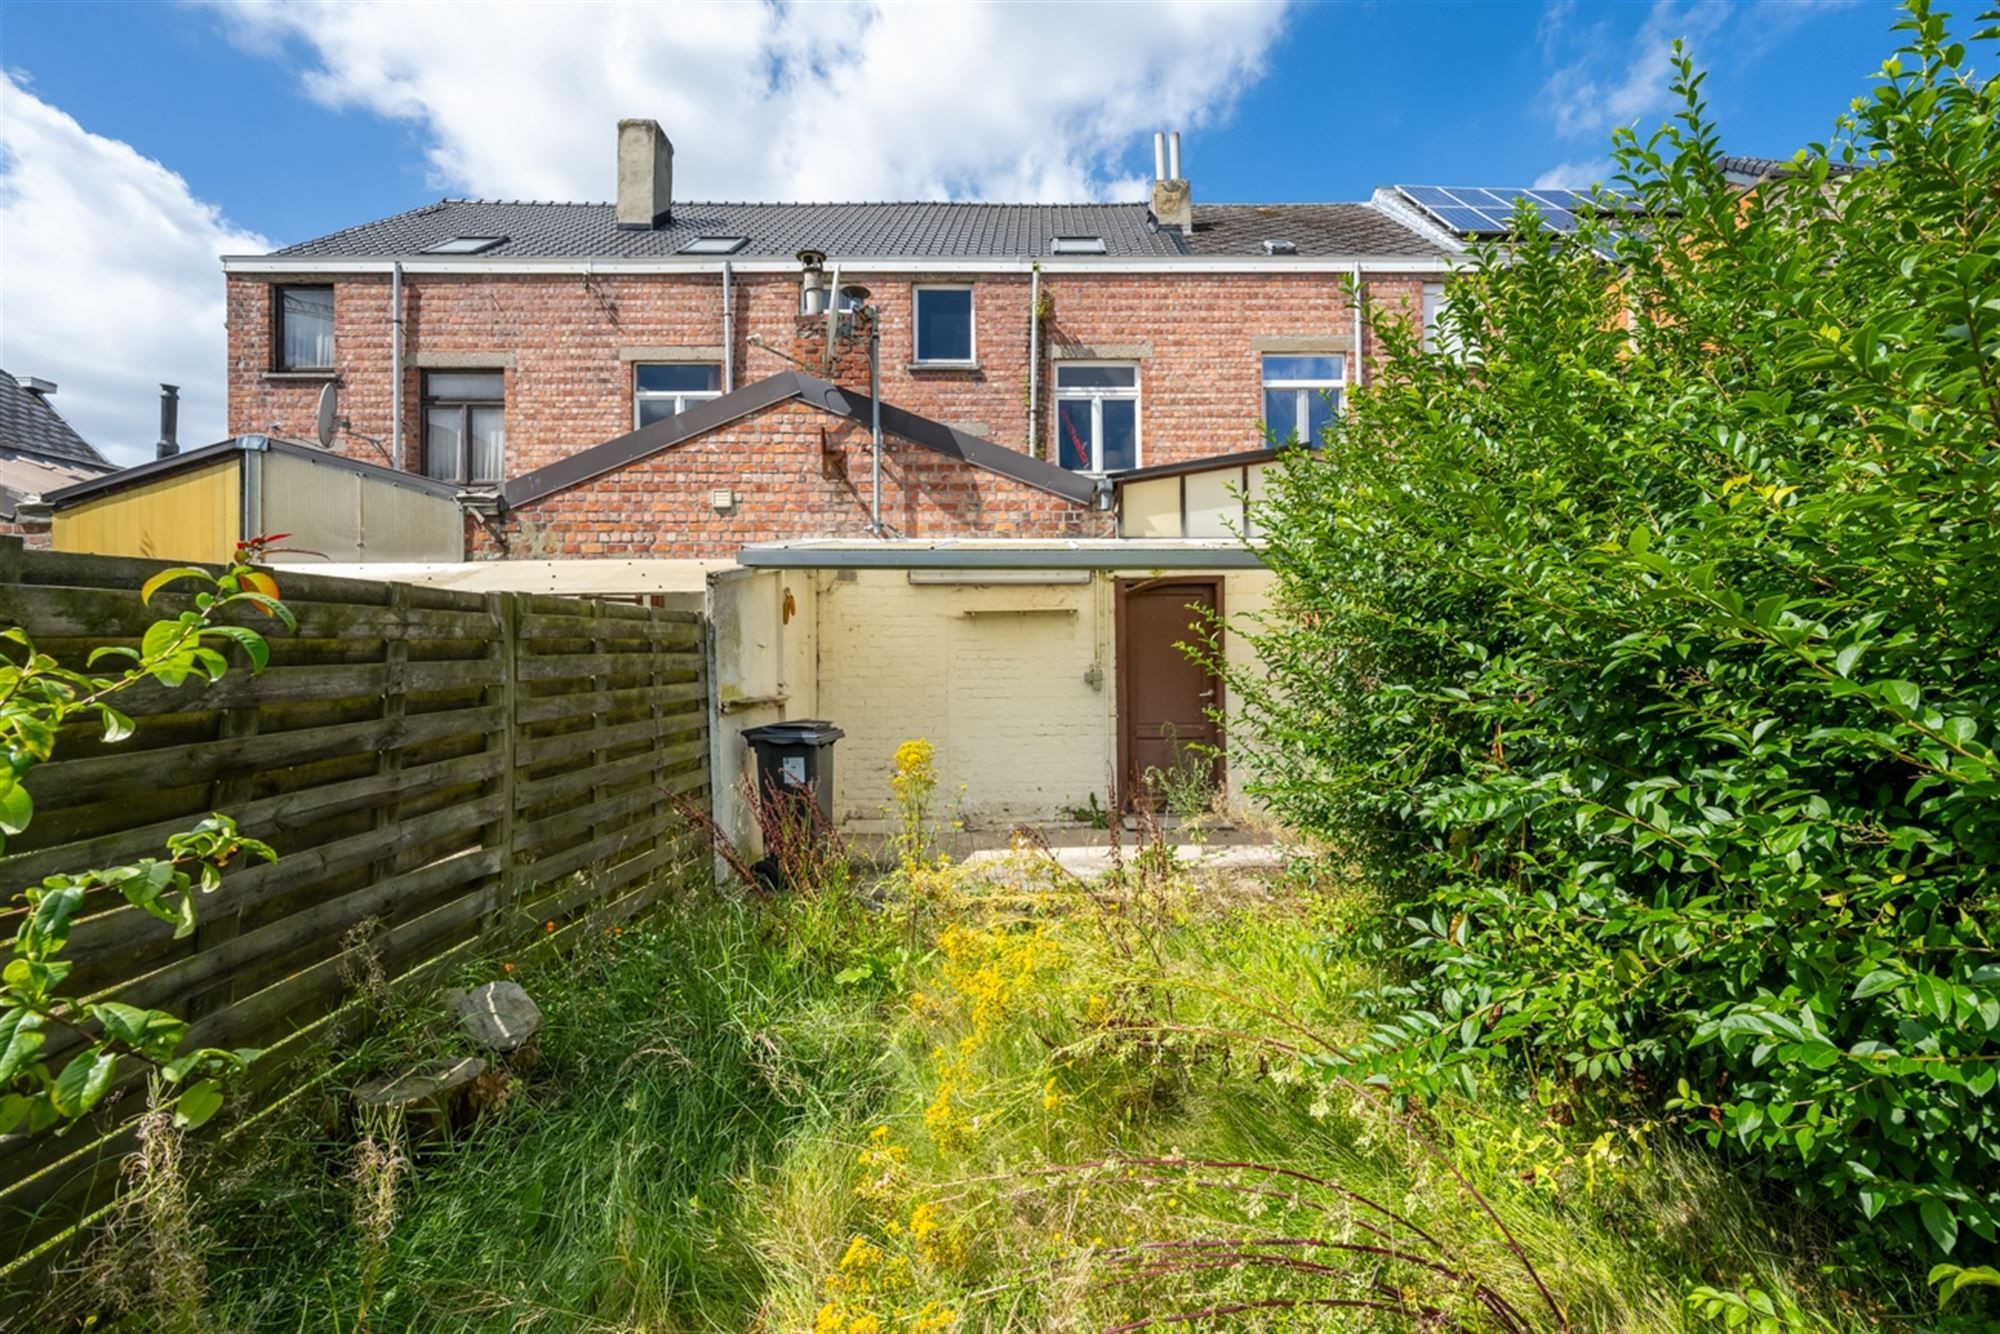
x,y
1173,197
645,175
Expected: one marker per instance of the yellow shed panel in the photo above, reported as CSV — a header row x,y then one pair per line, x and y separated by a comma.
x,y
193,515
1150,509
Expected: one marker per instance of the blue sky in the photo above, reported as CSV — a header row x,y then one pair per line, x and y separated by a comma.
x,y
202,127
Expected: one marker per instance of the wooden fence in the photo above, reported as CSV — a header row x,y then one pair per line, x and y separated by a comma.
x,y
438,769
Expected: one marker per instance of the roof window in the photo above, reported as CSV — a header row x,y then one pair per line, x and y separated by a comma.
x,y
715,245
1280,248
1077,245
464,245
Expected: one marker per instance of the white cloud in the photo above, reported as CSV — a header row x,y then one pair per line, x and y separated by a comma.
x,y
109,283
1580,175
804,101
1583,100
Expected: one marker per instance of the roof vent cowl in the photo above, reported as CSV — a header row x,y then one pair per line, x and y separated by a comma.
x,y
645,175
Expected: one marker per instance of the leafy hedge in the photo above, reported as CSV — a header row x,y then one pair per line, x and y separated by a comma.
x,y
1649,649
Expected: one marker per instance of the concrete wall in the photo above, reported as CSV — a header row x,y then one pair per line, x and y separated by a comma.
x,y
764,645
998,677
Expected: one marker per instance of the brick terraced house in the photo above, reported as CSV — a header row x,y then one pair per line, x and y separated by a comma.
x,y
658,378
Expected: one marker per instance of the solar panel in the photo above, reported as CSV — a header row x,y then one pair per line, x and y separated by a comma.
x,y
1428,196
1489,210
1460,219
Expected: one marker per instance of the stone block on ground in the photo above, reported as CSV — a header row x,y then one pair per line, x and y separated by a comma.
x,y
499,1015
430,1088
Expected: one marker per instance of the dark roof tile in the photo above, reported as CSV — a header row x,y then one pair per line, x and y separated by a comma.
x,y
774,231
1316,229
31,425
941,231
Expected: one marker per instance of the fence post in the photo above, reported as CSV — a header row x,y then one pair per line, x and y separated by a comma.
x,y
506,609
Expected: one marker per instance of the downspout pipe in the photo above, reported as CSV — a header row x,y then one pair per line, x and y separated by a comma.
x,y
728,331
875,424
396,363
1360,332
1034,360
832,354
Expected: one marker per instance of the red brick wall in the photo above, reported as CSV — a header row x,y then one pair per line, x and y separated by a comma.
x,y
797,472
567,389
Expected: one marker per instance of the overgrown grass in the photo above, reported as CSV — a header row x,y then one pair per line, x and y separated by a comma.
x,y
1008,1103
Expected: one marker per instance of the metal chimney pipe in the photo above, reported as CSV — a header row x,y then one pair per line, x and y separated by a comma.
x,y
1174,156
170,415
1159,155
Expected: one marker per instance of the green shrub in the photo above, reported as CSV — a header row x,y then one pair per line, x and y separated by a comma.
x,y
1649,649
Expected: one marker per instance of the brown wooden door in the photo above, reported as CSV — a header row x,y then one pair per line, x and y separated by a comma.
x,y
1163,695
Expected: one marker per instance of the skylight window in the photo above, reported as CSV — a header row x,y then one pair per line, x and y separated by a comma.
x,y
464,245
1280,248
715,245
1077,245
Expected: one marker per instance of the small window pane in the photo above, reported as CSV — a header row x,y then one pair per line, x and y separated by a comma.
x,y
1321,405
1281,413
657,409
1097,377
489,442
442,443
1301,368
1073,434
944,324
1120,446
306,333
464,385
670,378
464,245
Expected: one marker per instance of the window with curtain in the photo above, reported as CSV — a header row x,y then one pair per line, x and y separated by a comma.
x,y
1097,416
305,328
1302,395
465,426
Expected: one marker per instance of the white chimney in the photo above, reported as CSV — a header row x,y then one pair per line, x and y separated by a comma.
x,y
645,175
1173,198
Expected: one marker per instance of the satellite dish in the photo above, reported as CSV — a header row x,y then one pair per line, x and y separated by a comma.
x,y
329,409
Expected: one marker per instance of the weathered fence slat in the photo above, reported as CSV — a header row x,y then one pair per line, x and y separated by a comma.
x,y
438,769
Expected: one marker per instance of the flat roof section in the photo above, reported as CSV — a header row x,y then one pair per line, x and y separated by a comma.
x,y
1001,554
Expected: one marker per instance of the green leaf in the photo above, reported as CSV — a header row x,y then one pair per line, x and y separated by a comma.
x,y
198,1102
20,1038
253,644
84,1081
1900,695
17,808
1877,982
1953,1277
1941,1222
165,577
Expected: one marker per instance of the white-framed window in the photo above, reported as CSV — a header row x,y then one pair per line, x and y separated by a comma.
x,y
942,317
1433,316
1097,415
1302,395
663,389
